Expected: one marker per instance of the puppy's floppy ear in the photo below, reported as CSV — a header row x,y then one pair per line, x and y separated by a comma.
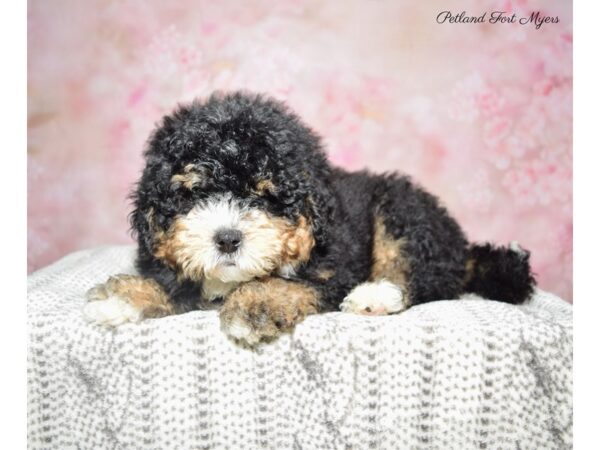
x,y
320,205
143,224
150,198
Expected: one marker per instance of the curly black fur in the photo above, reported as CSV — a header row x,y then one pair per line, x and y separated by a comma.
x,y
239,138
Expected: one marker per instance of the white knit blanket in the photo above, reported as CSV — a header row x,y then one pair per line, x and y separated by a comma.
x,y
444,375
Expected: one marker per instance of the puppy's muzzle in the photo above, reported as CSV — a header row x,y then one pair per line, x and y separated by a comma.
x,y
228,240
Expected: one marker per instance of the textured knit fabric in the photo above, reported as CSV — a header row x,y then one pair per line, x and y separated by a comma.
x,y
444,375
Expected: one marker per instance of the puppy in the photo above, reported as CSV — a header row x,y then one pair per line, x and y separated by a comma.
x,y
238,208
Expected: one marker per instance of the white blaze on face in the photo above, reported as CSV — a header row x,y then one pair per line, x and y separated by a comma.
x,y
198,256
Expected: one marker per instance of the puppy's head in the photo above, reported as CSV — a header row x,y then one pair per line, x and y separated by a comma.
x,y
234,188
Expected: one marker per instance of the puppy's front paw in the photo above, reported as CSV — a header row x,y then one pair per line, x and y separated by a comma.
x,y
375,298
112,311
125,298
262,310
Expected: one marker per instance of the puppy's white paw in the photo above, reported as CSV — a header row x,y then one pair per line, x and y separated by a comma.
x,y
241,331
375,298
111,312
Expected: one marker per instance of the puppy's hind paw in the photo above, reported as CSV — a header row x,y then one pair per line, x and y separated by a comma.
x,y
375,299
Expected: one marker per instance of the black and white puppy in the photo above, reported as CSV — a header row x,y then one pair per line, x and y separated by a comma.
x,y
238,207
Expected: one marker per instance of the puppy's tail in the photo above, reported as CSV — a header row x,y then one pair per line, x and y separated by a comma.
x,y
499,273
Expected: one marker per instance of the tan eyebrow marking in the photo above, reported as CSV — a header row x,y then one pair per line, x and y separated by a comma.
x,y
189,178
264,187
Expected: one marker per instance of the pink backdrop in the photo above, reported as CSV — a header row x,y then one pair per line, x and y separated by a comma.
x,y
480,114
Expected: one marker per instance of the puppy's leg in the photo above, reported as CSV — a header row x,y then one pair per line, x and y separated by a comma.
x,y
126,298
386,292
263,309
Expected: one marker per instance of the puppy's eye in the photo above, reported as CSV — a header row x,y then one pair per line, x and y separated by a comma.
x,y
265,187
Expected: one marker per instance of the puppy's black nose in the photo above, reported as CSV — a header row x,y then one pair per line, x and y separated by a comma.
x,y
228,239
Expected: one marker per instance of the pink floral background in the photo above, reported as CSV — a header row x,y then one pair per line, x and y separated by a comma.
x,y
479,114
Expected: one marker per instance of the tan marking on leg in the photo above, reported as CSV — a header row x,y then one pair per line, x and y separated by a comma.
x,y
388,260
389,263
263,309
145,295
